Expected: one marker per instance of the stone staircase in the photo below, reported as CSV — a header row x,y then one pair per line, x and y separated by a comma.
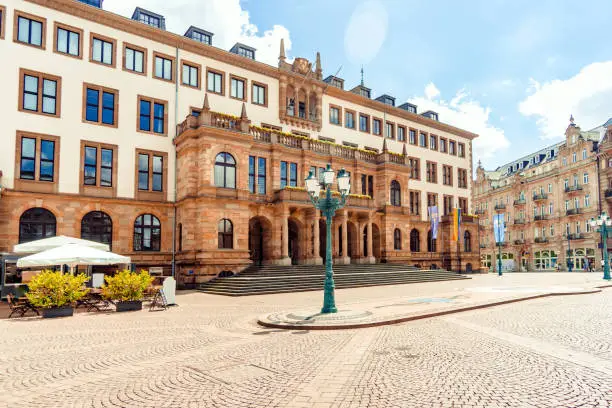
x,y
299,278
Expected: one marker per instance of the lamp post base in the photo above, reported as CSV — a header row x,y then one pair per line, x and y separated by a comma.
x,y
331,309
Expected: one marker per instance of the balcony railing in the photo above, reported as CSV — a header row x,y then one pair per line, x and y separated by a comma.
x,y
520,201
540,240
579,235
573,211
500,206
520,221
501,244
542,217
519,241
243,125
541,196
571,189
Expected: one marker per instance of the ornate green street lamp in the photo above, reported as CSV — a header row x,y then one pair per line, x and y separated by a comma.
x,y
328,206
603,222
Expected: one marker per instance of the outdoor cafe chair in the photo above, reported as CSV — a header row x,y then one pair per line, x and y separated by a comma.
x,y
20,307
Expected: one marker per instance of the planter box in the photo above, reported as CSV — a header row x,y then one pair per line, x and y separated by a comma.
x,y
129,306
63,311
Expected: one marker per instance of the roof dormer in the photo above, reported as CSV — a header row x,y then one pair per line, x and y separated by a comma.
x,y
362,90
199,35
431,115
149,18
243,50
386,99
93,3
335,81
408,107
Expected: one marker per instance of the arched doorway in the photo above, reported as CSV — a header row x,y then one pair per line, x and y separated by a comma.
x,y
294,242
376,241
260,240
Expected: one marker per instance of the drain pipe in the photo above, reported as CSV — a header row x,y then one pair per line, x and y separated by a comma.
x,y
176,96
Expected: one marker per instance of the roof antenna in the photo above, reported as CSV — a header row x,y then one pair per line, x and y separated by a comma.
x,y
362,75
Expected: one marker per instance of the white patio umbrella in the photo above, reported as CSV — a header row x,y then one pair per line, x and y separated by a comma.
x,y
72,255
54,242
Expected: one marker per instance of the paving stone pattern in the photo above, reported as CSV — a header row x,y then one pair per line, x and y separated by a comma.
x,y
209,352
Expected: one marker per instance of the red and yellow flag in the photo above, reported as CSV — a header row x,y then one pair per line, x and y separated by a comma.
x,y
456,222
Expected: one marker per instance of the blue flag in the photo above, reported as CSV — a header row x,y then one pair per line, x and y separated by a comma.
x,y
435,220
499,227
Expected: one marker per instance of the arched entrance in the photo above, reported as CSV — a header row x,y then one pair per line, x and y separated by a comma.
x,y
376,241
260,240
294,242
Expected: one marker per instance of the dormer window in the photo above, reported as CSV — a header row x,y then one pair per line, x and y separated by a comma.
x,y
408,107
431,115
243,50
94,3
199,35
149,18
364,93
386,99
335,81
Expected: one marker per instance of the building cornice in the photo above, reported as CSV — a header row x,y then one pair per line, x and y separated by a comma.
x,y
128,25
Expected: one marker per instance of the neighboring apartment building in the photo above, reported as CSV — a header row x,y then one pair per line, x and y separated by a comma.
x,y
191,158
547,198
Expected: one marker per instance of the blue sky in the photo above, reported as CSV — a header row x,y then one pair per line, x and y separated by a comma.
x,y
512,71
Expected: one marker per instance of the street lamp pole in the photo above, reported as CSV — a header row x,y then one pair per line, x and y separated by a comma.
x,y
603,222
328,207
570,264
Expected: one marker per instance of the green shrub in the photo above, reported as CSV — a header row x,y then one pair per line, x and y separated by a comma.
x,y
56,289
126,286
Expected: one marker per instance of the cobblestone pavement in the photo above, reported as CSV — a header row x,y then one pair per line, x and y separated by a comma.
x,y
208,352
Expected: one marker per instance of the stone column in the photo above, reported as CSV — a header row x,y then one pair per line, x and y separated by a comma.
x,y
342,236
371,258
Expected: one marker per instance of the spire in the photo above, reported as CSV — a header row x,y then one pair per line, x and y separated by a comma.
x,y
243,114
318,70
384,148
281,56
404,152
206,106
362,75
572,120
479,164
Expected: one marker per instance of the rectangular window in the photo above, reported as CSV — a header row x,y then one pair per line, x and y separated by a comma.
x,y
585,178
102,50
37,157
334,115
376,123
68,40
259,94
40,93
261,175
432,172
401,133
252,174
461,149
364,123
412,137
447,175
415,202
2,23
371,186
158,173
106,167
135,58
422,140
190,75
349,119
152,174
283,174
433,142
100,105
149,20
214,82
389,130
237,88
448,205
152,115
451,148
201,37
143,171
415,165
463,204
364,184
163,67
30,29
293,174
91,166
442,145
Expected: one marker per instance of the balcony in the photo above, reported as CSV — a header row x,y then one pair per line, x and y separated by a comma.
x,y
573,189
500,207
579,235
519,241
573,211
242,125
520,221
540,240
299,194
520,201
501,244
542,217
539,197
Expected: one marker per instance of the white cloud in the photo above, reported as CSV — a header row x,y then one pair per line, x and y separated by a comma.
x,y
225,18
586,95
466,113
431,91
366,31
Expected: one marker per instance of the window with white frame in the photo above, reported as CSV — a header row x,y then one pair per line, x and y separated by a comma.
x,y
584,154
587,200
585,178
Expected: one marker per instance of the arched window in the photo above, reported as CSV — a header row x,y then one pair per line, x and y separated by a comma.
x,y
226,234
467,242
431,243
147,233
225,170
36,223
415,241
396,195
97,226
397,239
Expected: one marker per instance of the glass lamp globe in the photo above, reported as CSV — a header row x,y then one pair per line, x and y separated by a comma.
x,y
312,185
328,175
344,182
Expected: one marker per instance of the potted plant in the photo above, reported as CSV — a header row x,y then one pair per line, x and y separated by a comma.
x,y
126,289
55,292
